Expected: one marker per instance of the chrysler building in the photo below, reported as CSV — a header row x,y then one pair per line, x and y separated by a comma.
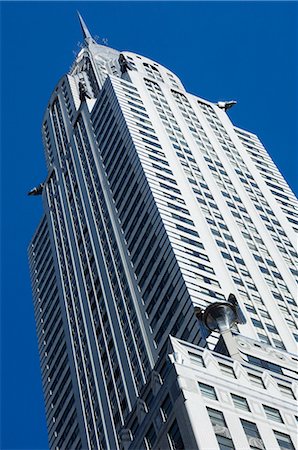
x,y
163,269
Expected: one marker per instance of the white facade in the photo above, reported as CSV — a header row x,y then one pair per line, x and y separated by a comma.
x,y
154,204
216,403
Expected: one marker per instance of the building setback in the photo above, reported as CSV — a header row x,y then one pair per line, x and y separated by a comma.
x,y
155,207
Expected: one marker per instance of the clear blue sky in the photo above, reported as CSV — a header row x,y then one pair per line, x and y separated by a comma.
x,y
243,51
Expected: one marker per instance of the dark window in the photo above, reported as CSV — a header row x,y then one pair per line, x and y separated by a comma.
x,y
265,364
284,441
166,407
150,437
250,429
225,443
271,328
175,437
257,323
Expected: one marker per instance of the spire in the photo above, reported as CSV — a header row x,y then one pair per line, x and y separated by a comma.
x,y
86,32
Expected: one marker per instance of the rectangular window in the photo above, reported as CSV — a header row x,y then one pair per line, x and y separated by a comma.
x,y
284,441
196,359
240,402
150,438
175,438
250,429
227,370
265,364
225,443
286,391
208,391
217,419
257,323
263,338
166,407
256,380
271,328
278,344
149,399
272,414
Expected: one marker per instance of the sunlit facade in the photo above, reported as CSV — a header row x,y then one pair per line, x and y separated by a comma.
x,y
154,204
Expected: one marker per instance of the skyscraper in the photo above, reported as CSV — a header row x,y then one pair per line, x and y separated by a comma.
x,y
155,206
